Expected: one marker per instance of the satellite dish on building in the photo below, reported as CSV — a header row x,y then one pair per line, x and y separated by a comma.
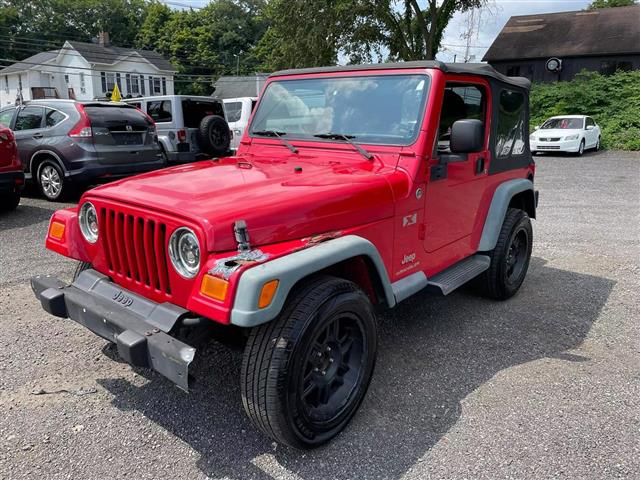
x,y
554,64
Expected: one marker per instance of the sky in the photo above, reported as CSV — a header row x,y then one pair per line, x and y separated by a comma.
x,y
493,18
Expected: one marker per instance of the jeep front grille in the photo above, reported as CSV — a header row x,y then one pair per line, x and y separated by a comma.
x,y
135,249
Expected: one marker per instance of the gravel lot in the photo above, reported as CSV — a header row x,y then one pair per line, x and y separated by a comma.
x,y
545,385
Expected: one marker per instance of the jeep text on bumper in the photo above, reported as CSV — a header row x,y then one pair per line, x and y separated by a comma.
x,y
139,327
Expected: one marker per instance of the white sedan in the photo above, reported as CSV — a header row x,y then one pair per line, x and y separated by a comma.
x,y
567,133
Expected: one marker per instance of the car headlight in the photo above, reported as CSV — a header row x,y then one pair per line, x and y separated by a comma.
x,y
184,251
88,221
572,137
532,138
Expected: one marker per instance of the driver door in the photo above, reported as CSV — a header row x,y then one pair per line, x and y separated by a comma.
x,y
456,183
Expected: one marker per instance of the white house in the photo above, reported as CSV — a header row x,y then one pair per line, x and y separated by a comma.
x,y
87,71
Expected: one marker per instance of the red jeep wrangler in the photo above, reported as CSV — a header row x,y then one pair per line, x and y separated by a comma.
x,y
353,187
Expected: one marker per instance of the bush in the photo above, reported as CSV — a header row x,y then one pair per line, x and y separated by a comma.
x,y
612,101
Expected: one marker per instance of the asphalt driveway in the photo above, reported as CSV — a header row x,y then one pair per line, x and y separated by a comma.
x,y
545,385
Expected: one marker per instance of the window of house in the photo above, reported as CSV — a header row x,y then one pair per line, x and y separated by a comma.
x,y
510,130
20,82
609,67
164,86
157,86
134,89
83,85
108,81
53,117
66,79
460,101
513,71
160,111
6,84
142,89
29,118
128,82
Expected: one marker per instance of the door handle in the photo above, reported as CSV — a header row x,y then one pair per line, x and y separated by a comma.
x,y
38,136
479,165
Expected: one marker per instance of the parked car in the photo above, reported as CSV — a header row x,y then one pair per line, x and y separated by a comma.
x,y
336,202
566,133
238,111
64,143
11,174
189,127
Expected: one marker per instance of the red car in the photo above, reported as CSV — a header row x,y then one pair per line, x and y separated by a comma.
x,y
354,187
11,174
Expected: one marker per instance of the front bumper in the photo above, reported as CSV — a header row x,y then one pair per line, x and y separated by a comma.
x,y
561,146
139,327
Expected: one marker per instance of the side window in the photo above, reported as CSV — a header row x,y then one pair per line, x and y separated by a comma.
x,y
53,117
590,122
510,130
29,118
461,101
233,111
6,116
160,110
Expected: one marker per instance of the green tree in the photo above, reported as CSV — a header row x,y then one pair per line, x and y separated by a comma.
x,y
611,3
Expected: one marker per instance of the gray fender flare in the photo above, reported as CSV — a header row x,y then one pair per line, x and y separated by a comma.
x,y
498,209
292,268
165,143
48,153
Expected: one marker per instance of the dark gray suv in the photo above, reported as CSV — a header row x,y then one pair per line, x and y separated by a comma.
x,y
64,143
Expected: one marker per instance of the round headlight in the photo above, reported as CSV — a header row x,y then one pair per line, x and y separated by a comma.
x,y
88,220
184,251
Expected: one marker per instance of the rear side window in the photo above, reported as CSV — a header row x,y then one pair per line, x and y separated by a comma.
x,y
195,110
53,117
233,111
160,110
6,116
29,118
510,131
113,116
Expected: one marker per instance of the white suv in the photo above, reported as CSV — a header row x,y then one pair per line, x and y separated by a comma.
x,y
189,127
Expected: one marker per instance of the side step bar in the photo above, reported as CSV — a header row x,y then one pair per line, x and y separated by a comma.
x,y
457,275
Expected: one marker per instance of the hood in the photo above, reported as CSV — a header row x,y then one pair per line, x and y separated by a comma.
x,y
279,199
556,132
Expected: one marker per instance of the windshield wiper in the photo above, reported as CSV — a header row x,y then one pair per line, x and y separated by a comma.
x,y
348,139
278,135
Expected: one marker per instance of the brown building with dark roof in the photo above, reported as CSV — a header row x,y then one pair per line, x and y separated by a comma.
x,y
602,40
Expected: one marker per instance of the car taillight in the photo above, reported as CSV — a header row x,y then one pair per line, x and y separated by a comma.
x,y
6,137
182,136
82,129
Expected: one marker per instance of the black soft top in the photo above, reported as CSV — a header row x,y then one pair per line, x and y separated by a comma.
x,y
482,69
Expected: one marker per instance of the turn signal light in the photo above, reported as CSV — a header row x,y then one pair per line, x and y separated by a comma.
x,y
56,230
214,287
267,293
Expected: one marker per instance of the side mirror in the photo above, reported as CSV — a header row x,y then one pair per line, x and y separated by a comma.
x,y
589,127
467,136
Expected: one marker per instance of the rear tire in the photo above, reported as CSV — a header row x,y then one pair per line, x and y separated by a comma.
x,y
305,373
510,258
214,137
9,202
51,182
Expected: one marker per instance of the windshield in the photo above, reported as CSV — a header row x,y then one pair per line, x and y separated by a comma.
x,y
562,123
382,109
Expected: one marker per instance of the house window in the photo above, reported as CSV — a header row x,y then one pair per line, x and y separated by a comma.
x,y
134,89
164,86
6,84
20,82
157,86
108,82
513,71
83,85
66,80
142,89
128,82
612,66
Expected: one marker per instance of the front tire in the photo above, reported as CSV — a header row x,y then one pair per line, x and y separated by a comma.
x,y
510,258
9,202
581,148
305,373
51,181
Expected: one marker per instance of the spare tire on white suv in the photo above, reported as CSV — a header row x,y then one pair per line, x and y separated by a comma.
x,y
214,136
